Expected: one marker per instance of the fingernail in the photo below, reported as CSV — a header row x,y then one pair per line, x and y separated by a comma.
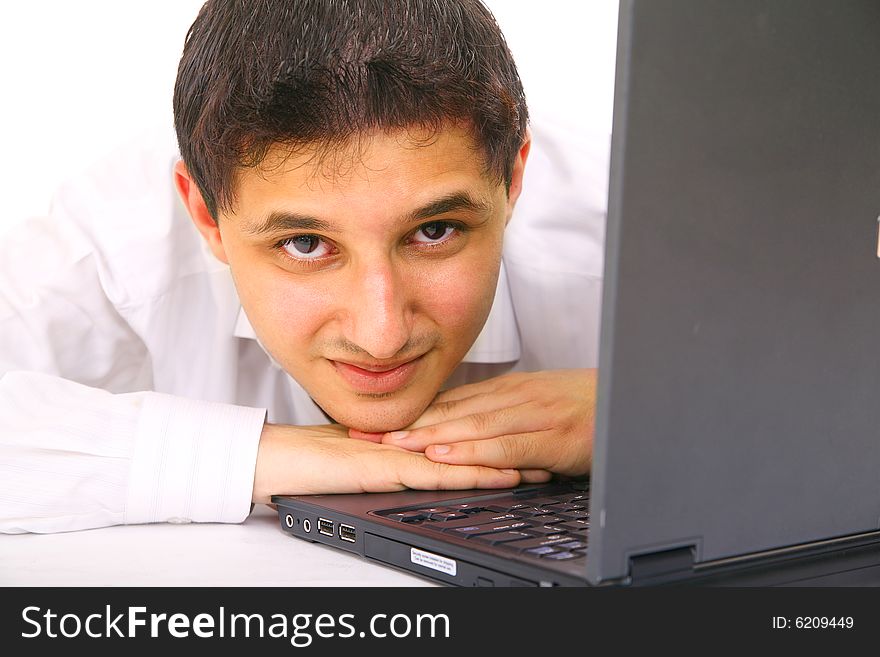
x,y
441,449
508,471
398,435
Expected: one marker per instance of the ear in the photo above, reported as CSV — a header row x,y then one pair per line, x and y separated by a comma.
x,y
516,178
198,211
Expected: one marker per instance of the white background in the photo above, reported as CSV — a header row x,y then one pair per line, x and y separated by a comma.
x,y
80,77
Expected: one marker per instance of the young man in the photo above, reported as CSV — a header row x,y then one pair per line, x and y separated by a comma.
x,y
349,171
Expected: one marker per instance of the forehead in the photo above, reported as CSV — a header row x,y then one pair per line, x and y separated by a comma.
x,y
391,165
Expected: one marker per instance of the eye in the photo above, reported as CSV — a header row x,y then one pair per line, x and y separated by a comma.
x,y
436,231
306,247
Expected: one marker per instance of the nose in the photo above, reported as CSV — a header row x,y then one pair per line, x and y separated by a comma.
x,y
379,316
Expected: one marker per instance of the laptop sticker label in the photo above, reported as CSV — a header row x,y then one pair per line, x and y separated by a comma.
x,y
432,561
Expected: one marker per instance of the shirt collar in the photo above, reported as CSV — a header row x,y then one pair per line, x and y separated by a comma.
x,y
498,342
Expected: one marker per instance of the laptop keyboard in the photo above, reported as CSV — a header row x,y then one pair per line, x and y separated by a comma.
x,y
541,525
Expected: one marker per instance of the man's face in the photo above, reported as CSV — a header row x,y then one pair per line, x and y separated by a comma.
x,y
369,273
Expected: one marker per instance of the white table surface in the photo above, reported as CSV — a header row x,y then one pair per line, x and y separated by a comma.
x,y
254,553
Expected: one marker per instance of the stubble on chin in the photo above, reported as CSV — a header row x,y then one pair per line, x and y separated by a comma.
x,y
378,413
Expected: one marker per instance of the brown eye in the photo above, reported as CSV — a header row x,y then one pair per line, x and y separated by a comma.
x,y
307,247
435,231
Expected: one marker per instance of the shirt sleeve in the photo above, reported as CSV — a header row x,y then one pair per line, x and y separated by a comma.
x,y
74,457
80,445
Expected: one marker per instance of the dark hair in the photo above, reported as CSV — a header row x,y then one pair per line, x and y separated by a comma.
x,y
255,73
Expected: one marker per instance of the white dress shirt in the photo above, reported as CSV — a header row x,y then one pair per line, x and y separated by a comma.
x,y
132,386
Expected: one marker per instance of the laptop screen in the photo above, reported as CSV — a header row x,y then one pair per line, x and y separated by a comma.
x,y
739,362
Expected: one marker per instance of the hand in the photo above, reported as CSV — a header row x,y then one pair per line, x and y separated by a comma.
x,y
533,421
323,459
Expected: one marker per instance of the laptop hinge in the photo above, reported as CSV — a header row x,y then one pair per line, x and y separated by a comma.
x,y
657,567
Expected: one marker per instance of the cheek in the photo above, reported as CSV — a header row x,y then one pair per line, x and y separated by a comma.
x,y
297,310
285,313
459,297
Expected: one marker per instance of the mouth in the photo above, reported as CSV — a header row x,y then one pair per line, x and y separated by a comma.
x,y
377,378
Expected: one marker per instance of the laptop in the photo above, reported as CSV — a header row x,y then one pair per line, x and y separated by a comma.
x,y
738,428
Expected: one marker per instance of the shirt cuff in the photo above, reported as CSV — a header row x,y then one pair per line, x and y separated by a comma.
x,y
192,461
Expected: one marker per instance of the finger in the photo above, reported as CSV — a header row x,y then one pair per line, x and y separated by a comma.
x,y
474,398
365,435
535,476
476,426
467,390
443,410
443,476
510,451
507,386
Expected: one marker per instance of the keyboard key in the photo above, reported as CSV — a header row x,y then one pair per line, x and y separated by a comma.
x,y
559,556
444,516
582,498
575,525
540,551
573,545
575,515
546,519
539,541
408,516
536,510
504,507
566,506
482,518
578,534
476,530
547,530
471,507
502,537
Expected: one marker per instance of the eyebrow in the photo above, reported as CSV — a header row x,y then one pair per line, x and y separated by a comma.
x,y
454,202
281,220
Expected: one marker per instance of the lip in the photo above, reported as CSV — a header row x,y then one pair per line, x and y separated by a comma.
x,y
377,379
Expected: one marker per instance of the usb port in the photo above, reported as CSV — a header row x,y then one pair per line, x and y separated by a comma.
x,y
347,533
325,527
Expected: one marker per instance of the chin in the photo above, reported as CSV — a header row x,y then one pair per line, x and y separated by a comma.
x,y
378,416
